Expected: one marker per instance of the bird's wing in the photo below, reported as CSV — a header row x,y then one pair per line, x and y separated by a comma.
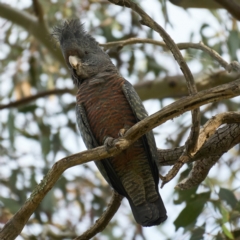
x,y
84,127
104,165
140,113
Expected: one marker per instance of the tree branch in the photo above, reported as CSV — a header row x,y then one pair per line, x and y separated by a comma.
x,y
232,6
211,125
173,86
37,28
148,21
105,218
185,45
29,99
193,136
197,4
38,10
218,144
130,41
203,166
167,157
15,225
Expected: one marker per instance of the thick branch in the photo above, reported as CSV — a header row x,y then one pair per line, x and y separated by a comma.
x,y
148,21
211,125
32,25
175,87
168,157
208,154
197,4
202,166
232,6
15,225
168,87
38,10
219,143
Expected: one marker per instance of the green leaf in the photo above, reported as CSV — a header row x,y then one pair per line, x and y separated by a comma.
x,y
219,237
11,127
131,63
10,204
28,108
45,143
233,44
49,202
185,196
197,233
56,143
225,214
236,234
185,173
152,65
192,210
227,232
228,196
204,38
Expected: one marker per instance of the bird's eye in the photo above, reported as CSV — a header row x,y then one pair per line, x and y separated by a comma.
x,y
86,52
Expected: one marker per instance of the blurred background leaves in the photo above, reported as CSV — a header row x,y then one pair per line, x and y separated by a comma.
x,y
37,133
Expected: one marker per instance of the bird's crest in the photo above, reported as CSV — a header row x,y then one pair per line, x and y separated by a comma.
x,y
72,29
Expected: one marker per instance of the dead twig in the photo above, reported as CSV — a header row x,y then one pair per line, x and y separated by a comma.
x,y
219,143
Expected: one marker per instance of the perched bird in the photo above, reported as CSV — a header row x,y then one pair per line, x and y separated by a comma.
x,y
107,105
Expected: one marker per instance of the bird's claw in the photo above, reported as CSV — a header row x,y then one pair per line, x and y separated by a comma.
x,y
123,131
108,141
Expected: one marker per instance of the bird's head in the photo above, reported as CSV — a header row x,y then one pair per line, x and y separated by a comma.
x,y
82,53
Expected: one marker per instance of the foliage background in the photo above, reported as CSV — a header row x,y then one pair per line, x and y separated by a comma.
x,y
36,134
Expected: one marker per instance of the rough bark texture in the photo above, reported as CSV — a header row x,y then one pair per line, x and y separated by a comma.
x,y
209,4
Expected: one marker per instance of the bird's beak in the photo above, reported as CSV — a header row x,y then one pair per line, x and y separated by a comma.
x,y
75,62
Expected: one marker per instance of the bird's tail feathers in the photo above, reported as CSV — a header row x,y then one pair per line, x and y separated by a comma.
x,y
149,213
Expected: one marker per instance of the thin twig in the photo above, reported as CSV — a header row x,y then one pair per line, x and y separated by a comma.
x,y
131,41
193,136
15,225
104,219
185,45
148,21
29,99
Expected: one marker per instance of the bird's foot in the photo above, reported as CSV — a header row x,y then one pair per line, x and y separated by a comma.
x,y
123,130
108,142
119,143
